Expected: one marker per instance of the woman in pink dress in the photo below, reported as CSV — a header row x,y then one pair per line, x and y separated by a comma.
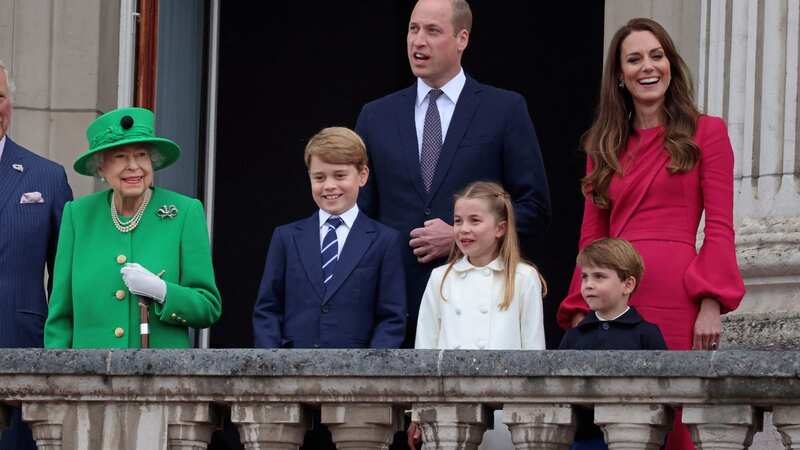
x,y
654,165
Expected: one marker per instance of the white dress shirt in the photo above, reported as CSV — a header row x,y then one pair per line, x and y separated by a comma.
x,y
446,104
469,318
2,146
349,217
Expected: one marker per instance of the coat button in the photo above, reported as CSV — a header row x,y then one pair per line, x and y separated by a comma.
x,y
119,332
120,294
605,325
324,309
484,309
427,211
316,345
121,259
458,311
481,345
173,316
486,272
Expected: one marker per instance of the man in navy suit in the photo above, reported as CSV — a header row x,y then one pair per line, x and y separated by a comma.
x,y
33,191
335,279
430,140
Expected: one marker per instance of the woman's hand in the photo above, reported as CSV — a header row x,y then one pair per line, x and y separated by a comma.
x,y
707,326
141,281
576,319
414,435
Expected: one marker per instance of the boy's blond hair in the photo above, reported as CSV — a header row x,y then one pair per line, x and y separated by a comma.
x,y
613,254
337,145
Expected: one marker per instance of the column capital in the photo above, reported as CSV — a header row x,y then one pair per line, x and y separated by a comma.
x,y
265,426
451,426
540,426
360,425
722,426
639,426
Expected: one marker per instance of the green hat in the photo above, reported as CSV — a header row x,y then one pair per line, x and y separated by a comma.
x,y
125,126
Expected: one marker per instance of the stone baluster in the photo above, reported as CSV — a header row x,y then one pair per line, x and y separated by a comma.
x,y
451,426
189,425
535,426
629,427
787,420
727,427
46,422
265,426
360,426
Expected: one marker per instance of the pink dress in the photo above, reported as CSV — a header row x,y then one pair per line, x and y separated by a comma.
x,y
659,213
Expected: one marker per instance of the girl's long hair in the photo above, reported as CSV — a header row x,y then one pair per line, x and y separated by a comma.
x,y
615,112
499,203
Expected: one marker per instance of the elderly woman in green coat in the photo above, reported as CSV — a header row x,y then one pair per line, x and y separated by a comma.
x,y
130,242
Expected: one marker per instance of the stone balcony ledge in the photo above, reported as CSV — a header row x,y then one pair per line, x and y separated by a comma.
x,y
359,392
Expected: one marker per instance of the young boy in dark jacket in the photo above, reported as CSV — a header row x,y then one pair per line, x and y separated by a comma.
x,y
610,271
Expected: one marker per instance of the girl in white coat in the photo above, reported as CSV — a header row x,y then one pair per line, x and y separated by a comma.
x,y
485,297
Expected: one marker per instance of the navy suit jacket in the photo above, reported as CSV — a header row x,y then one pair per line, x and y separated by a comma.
x,y
28,237
490,138
363,306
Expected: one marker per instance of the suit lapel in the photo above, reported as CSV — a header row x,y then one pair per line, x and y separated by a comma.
x,y
9,177
409,146
358,241
635,188
462,116
308,246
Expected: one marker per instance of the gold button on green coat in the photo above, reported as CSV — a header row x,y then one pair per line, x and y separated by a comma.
x,y
120,294
86,266
119,332
121,259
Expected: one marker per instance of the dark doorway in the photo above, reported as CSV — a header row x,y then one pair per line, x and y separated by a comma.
x,y
288,69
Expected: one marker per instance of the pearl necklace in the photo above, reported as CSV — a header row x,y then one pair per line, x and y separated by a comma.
x,y
133,222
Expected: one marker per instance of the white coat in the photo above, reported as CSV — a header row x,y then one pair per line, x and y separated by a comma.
x,y
470,319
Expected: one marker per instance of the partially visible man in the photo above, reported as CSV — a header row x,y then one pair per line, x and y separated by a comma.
x,y
33,191
430,140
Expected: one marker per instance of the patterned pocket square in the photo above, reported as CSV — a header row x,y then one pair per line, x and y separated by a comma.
x,y
31,197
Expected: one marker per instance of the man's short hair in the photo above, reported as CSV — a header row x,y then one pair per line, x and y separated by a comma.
x,y
613,254
337,145
12,88
462,16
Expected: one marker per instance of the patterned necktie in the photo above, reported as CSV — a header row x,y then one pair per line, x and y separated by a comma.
x,y
431,140
330,249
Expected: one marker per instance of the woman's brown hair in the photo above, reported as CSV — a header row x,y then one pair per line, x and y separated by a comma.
x,y
615,113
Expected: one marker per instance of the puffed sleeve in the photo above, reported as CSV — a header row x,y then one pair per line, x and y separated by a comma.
x,y
430,318
531,322
714,272
195,297
58,328
594,227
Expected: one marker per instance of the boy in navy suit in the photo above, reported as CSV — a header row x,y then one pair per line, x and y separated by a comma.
x,y
335,279
610,271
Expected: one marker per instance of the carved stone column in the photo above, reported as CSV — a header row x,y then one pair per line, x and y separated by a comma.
x,y
450,426
547,427
749,75
787,420
360,426
265,426
189,425
629,427
721,426
46,421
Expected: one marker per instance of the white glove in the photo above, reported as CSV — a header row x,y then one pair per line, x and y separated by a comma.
x,y
141,281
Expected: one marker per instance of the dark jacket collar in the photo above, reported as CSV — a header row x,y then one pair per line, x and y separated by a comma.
x,y
630,318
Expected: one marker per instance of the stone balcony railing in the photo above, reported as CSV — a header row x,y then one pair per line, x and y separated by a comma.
x,y
173,399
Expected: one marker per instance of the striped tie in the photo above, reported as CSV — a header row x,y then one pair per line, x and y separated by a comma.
x,y
330,249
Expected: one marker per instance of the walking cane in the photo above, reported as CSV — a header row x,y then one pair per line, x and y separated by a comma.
x,y
144,317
